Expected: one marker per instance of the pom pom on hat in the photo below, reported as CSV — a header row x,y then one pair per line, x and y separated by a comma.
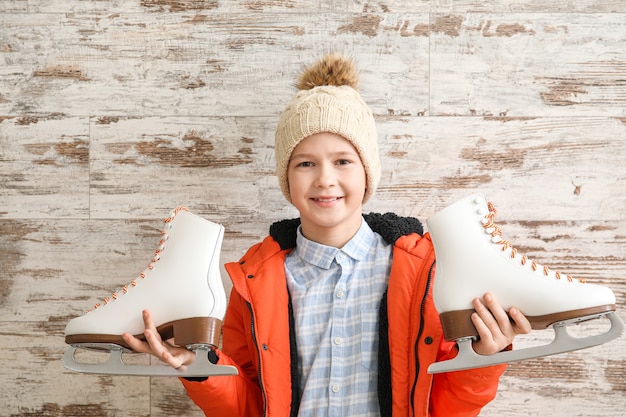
x,y
328,101
331,70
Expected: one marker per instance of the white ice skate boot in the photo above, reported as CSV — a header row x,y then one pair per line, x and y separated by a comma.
x,y
473,258
183,291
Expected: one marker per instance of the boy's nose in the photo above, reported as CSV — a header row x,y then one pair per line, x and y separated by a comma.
x,y
325,176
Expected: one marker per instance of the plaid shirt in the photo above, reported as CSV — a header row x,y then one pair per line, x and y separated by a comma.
x,y
336,294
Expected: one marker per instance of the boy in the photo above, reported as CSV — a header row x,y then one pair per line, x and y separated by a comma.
x,y
332,314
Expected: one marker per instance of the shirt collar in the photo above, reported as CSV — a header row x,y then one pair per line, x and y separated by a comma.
x,y
323,256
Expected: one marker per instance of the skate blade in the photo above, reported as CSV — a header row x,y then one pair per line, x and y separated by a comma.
x,y
563,342
200,367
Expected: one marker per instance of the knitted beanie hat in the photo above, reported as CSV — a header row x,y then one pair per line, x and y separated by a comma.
x,y
328,101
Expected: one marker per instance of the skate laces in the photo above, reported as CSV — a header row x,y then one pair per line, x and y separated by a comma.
x,y
495,231
155,258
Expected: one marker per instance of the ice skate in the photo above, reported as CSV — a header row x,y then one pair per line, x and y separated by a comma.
x,y
473,258
183,290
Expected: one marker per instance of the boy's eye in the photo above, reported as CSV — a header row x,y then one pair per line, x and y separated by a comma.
x,y
305,164
343,162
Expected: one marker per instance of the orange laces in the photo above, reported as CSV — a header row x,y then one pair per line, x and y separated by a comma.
x,y
496,234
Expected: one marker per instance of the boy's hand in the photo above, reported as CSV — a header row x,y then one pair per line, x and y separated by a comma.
x,y
495,328
168,353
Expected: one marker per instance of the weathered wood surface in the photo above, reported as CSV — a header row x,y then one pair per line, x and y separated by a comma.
x,y
112,113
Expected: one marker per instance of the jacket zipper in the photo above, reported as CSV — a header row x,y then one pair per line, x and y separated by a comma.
x,y
419,335
258,352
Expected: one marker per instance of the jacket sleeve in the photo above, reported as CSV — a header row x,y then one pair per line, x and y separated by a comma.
x,y
235,396
230,396
462,393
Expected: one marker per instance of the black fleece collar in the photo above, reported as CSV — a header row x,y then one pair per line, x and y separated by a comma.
x,y
389,225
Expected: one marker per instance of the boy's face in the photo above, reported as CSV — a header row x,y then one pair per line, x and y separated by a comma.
x,y
327,184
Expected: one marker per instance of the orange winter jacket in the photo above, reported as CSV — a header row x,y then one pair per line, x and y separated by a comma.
x,y
258,340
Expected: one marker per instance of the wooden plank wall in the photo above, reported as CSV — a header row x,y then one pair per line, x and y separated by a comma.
x,y
114,112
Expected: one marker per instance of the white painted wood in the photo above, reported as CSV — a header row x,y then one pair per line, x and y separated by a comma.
x,y
44,167
112,113
528,64
215,65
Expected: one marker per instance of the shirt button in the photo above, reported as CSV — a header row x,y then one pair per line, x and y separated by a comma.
x,y
335,388
342,255
339,294
337,340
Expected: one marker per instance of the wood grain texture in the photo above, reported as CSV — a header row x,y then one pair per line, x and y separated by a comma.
x,y
112,113
504,64
217,64
45,166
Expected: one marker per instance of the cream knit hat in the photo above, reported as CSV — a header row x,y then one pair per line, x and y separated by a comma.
x,y
328,101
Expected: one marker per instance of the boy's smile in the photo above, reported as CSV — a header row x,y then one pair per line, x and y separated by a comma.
x,y
327,184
